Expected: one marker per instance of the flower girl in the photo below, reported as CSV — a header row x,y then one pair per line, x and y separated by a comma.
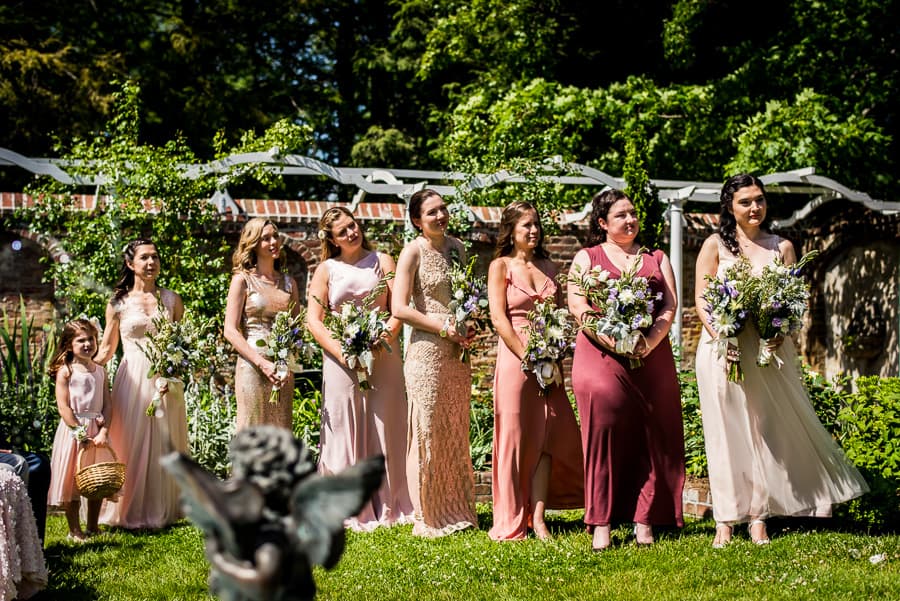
x,y
83,401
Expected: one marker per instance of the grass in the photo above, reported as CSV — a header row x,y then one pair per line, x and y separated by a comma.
x,y
801,563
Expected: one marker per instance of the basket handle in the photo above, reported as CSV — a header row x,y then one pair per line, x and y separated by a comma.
x,y
91,443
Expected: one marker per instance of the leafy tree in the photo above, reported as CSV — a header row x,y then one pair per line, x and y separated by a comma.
x,y
147,193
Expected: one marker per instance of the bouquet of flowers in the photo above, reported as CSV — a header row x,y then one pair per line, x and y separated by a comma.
x,y
550,339
176,350
728,305
623,306
361,329
468,300
286,346
779,296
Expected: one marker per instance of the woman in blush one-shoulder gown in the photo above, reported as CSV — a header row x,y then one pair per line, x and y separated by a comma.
x,y
150,497
768,453
358,423
537,459
438,383
259,291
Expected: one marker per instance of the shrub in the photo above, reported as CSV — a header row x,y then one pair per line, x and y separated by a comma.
x,y
210,415
694,444
481,424
28,414
308,414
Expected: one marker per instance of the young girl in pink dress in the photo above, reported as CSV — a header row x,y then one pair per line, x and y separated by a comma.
x,y
83,400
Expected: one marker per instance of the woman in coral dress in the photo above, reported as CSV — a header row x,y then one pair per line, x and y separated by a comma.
x,y
768,453
258,291
149,498
631,426
537,459
358,423
438,383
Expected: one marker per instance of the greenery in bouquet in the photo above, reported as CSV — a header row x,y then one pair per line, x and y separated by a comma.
x,y
468,299
728,304
361,328
176,351
551,337
778,301
287,346
621,307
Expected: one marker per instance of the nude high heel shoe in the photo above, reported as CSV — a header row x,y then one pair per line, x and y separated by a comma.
x,y
764,540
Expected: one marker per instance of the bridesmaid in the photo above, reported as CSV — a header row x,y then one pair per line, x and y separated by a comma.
x,y
535,435
149,498
631,427
357,423
768,453
438,384
258,291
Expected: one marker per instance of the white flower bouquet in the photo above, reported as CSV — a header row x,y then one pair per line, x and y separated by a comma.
x,y
175,350
551,337
286,346
728,304
361,328
468,300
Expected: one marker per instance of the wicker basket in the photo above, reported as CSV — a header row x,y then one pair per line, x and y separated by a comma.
x,y
100,480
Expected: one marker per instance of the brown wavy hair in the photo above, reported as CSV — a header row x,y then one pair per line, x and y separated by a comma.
x,y
64,354
244,257
508,220
328,248
727,222
600,206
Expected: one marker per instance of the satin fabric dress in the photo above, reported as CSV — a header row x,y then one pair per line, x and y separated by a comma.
x,y
262,301
438,389
86,401
23,572
357,423
631,426
768,453
150,497
528,424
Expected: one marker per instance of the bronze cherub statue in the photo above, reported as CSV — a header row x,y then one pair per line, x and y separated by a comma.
x,y
275,518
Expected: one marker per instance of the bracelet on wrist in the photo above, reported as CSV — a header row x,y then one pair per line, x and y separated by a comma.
x,y
445,329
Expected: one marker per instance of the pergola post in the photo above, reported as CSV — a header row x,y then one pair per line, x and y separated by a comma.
x,y
676,225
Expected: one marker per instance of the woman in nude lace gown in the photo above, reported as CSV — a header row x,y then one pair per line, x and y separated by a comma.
x,y
149,498
358,423
438,383
258,291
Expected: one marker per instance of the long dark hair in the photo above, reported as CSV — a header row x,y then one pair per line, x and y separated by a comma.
x,y
508,220
600,205
126,274
415,204
727,222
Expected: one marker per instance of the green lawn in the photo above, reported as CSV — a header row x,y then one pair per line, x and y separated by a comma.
x,y
801,563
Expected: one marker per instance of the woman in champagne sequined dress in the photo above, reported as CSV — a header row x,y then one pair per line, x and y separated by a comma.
x,y
258,291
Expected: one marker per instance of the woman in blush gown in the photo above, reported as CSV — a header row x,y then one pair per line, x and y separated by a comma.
x,y
768,453
537,459
258,291
438,383
631,426
358,423
149,498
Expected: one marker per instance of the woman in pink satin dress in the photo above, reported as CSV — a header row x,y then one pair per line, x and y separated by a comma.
x,y
358,423
149,498
537,460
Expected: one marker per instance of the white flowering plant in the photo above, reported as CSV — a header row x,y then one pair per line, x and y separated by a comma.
x,y
176,350
728,305
468,299
551,337
286,346
622,308
778,296
361,328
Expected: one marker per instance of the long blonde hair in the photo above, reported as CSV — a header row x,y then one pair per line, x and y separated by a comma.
x,y
326,221
244,258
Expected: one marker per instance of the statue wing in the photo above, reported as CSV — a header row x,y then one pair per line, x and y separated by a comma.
x,y
215,506
320,504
